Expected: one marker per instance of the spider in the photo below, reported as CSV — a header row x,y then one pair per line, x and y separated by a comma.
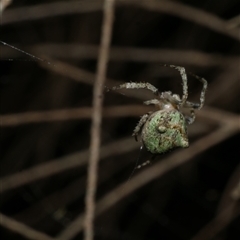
x,y
166,128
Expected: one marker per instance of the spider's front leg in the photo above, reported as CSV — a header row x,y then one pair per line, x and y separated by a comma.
x,y
184,81
198,106
140,85
140,124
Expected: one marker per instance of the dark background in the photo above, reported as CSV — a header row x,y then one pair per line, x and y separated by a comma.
x,y
177,204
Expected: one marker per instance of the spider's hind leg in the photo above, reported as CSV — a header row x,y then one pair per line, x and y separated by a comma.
x,y
203,92
140,124
146,162
183,74
192,106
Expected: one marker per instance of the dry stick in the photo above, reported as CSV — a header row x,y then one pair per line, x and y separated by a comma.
x,y
226,213
63,197
219,223
3,5
22,229
71,161
63,164
80,51
70,114
169,163
169,7
231,186
234,22
186,12
97,118
11,120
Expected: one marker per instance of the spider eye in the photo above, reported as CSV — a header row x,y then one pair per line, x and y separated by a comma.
x,y
162,129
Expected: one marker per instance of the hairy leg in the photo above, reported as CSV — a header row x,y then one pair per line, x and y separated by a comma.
x,y
142,121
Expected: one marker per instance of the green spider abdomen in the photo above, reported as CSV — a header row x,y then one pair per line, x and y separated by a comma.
x,y
165,130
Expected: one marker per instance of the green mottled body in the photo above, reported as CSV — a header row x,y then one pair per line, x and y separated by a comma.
x,y
165,130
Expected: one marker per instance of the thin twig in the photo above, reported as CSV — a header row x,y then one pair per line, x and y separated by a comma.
x,y
70,114
155,55
234,22
189,13
22,229
169,7
3,5
65,196
208,114
227,211
219,223
97,119
63,164
41,11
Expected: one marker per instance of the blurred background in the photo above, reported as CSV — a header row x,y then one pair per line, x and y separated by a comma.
x,y
46,119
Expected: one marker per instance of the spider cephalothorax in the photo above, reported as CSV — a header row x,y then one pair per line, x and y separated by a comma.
x,y
166,128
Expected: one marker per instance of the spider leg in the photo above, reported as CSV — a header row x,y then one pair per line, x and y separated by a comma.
x,y
152,101
133,85
203,92
142,121
146,162
191,105
190,119
198,106
184,81
143,164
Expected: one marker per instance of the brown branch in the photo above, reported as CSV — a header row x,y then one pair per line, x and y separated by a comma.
x,y
190,57
228,210
3,5
65,196
234,22
169,7
189,13
42,11
70,114
62,164
236,192
97,118
207,114
77,51
157,170
22,229
219,223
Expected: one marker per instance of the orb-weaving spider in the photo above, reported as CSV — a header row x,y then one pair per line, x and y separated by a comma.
x,y
166,128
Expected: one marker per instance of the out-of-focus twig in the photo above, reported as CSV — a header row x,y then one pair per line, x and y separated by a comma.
x,y
22,229
228,210
236,192
3,5
64,197
77,51
234,22
208,114
169,7
189,13
70,114
108,15
219,223
41,11
62,164
231,73
148,175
